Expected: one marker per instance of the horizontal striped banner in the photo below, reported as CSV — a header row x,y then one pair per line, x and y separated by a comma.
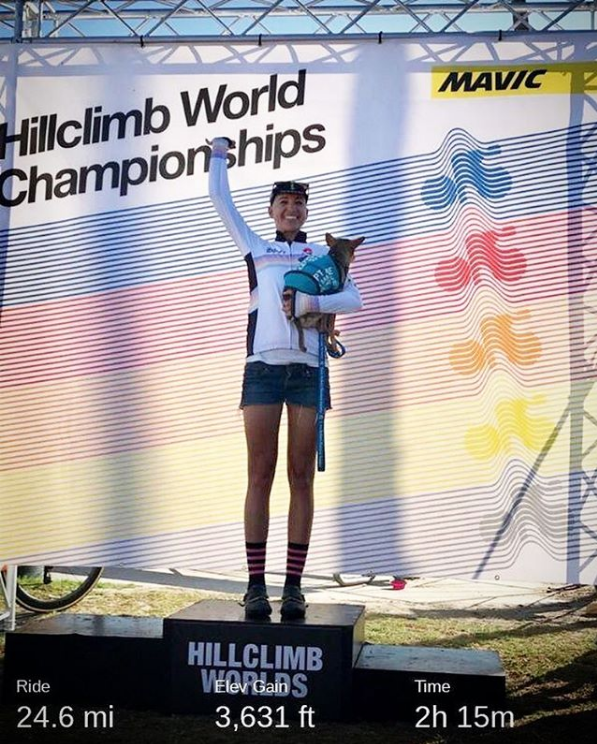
x,y
455,444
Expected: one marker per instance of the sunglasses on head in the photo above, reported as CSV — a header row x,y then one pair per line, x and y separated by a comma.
x,y
289,187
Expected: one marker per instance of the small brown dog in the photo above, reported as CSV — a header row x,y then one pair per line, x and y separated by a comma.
x,y
320,275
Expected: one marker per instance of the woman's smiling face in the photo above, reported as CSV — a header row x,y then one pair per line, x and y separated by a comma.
x,y
289,212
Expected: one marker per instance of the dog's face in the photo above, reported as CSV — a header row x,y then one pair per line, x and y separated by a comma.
x,y
342,248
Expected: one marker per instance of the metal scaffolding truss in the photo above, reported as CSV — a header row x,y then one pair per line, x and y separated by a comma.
x,y
159,19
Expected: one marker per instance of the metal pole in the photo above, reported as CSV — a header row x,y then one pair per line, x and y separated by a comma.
x,y
19,21
9,590
580,386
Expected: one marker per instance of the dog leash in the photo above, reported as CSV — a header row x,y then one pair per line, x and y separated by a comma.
x,y
323,376
324,350
336,353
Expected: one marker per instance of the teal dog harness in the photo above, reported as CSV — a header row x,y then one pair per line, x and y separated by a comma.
x,y
318,275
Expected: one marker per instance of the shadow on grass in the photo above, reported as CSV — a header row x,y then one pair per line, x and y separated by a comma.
x,y
546,619
577,727
554,689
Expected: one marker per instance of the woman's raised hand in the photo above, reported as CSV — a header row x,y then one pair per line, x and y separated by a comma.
x,y
221,143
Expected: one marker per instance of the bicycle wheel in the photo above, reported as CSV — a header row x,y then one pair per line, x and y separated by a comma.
x,y
51,588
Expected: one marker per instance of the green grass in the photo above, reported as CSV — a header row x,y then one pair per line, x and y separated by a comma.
x,y
549,653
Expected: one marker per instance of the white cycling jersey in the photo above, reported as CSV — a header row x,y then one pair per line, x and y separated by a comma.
x,y
268,327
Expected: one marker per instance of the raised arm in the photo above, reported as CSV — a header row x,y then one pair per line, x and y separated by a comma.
x,y
219,192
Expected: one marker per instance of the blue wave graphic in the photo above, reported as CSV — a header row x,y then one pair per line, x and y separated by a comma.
x,y
469,171
506,179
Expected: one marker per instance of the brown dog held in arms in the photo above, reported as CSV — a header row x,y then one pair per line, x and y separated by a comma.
x,y
341,252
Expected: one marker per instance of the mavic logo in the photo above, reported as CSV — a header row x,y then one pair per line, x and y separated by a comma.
x,y
522,80
499,80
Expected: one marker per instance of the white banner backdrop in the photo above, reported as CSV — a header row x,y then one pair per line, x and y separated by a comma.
x,y
460,442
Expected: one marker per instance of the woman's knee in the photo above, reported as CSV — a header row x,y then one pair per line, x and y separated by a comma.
x,y
301,476
261,472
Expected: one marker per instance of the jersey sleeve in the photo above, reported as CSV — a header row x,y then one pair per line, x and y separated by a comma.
x,y
221,198
347,301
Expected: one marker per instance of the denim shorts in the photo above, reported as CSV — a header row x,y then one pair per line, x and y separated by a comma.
x,y
296,384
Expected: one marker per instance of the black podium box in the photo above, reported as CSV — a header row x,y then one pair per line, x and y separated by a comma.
x,y
218,658
421,684
87,659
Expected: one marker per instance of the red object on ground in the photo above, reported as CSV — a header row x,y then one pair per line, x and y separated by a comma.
x,y
398,584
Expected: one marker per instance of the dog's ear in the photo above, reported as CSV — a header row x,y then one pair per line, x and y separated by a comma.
x,y
356,243
330,240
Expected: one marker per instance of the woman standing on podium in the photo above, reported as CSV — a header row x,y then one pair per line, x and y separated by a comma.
x,y
277,372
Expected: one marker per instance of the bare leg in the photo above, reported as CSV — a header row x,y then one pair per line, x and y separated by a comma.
x,y
262,423
301,471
